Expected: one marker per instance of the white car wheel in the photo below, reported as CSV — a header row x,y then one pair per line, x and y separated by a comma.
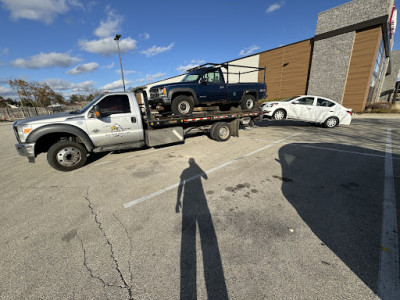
x,y
331,122
280,114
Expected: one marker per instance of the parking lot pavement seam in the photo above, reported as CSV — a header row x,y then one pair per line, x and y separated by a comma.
x,y
209,171
112,255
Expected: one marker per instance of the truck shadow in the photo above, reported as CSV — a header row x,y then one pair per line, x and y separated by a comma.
x,y
196,214
339,196
284,123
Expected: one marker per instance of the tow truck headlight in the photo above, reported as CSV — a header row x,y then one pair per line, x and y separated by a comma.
x,y
23,131
162,91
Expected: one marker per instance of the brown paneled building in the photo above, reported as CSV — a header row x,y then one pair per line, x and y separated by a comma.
x,y
347,59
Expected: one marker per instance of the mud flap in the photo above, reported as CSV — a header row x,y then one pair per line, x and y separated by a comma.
x,y
157,137
235,127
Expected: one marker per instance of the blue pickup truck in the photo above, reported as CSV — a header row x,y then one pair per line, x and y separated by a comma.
x,y
206,86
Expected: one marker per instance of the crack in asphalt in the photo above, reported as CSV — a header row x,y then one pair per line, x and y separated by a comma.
x,y
130,247
115,261
90,271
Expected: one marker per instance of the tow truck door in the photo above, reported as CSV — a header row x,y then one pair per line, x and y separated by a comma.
x,y
113,121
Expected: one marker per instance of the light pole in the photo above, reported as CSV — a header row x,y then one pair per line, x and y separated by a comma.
x,y
120,62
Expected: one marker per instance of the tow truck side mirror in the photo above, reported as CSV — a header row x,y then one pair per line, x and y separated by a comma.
x,y
204,80
97,112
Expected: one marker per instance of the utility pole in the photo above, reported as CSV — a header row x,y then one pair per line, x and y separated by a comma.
x,y
117,37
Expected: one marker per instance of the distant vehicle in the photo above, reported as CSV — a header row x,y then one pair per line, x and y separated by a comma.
x,y
308,108
205,86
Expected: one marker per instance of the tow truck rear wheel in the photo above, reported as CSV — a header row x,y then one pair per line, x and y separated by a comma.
x,y
182,105
66,156
248,102
220,131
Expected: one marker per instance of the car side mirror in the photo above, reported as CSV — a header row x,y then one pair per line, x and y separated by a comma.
x,y
295,102
203,80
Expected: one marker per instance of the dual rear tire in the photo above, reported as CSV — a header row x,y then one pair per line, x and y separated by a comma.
x,y
220,132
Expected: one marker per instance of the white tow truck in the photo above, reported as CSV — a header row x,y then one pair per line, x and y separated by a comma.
x,y
116,121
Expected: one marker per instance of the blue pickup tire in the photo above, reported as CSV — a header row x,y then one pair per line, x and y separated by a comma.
x,y
182,105
248,102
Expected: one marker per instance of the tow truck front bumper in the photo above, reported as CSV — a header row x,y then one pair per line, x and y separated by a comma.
x,y
26,149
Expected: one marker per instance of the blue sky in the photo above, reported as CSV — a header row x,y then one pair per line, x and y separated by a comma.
x,y
69,43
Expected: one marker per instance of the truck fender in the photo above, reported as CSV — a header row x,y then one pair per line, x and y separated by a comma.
x,y
60,128
184,90
246,92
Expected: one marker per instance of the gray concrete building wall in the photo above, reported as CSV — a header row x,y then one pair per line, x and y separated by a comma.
x,y
329,67
331,56
351,13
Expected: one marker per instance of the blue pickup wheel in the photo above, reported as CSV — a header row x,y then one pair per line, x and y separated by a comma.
x,y
182,105
248,102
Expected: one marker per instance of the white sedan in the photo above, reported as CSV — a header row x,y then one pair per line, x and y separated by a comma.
x,y
313,109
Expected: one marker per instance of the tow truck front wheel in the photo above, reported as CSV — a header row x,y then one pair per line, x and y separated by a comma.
x,y
182,105
66,156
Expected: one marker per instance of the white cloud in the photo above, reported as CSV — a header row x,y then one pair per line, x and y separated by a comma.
x,y
110,66
144,36
151,77
46,60
274,7
156,50
126,72
4,51
109,27
38,10
89,67
115,85
193,64
5,91
249,50
108,46
64,85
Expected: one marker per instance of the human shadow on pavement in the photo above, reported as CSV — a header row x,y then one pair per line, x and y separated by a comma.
x,y
337,190
195,213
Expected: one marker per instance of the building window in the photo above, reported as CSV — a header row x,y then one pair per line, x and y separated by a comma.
x,y
377,73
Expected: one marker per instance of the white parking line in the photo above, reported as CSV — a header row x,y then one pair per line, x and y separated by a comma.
x,y
159,192
388,278
345,151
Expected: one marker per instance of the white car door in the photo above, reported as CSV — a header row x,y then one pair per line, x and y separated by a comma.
x,y
301,108
117,123
323,110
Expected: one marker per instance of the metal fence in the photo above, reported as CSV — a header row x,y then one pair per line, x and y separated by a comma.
x,y
9,114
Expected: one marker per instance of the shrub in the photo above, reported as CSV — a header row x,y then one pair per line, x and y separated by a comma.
x,y
379,107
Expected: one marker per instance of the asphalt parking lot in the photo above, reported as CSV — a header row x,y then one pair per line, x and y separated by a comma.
x,y
287,211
